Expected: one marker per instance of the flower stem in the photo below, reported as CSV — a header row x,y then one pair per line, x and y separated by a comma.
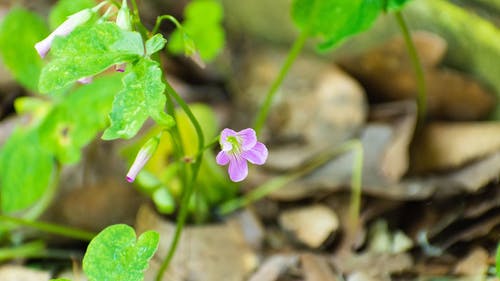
x,y
50,228
181,219
266,105
280,181
417,66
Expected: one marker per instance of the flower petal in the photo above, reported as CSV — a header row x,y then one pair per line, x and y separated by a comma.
x,y
224,144
257,155
248,138
222,158
238,169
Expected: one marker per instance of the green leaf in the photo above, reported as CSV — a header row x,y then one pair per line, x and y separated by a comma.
x,y
76,120
116,254
65,8
154,44
25,171
335,20
19,32
498,261
395,5
87,51
142,96
203,25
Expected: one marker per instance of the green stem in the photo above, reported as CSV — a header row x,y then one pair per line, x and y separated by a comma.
x,y
417,66
32,249
181,219
160,19
266,105
51,228
278,182
136,18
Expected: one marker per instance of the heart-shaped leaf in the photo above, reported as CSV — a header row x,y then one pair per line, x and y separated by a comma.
x,y
116,254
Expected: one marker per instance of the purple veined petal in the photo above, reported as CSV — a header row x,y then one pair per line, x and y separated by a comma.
x,y
85,80
225,145
248,138
140,160
222,158
238,169
257,155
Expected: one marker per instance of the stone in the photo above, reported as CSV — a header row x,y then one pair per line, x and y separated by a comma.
x,y
311,225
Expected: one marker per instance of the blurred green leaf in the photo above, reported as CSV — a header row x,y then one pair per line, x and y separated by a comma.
x,y
78,117
154,44
498,261
335,20
19,32
65,8
203,25
26,170
116,254
87,51
394,5
164,201
141,97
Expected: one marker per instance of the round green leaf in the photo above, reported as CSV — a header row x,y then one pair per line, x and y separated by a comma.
x,y
116,254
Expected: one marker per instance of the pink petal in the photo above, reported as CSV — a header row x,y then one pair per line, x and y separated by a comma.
x,y
248,138
238,169
85,80
120,67
222,158
257,155
43,46
225,145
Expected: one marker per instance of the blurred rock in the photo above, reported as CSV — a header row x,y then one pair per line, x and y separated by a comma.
x,y
311,225
317,268
317,106
450,94
444,146
475,264
208,252
273,267
20,273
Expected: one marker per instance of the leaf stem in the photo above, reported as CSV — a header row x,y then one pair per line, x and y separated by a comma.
x,y
266,105
417,66
160,19
50,228
181,219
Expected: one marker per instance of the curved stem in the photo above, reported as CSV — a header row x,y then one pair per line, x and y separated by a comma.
x,y
160,19
181,219
356,182
50,228
266,105
278,182
417,66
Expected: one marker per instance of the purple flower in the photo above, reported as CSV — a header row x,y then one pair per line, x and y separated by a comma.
x,y
120,67
147,150
237,149
64,29
86,80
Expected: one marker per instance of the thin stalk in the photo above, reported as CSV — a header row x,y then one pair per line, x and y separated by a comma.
x,y
266,105
136,18
181,219
278,182
160,19
356,182
51,228
28,250
417,67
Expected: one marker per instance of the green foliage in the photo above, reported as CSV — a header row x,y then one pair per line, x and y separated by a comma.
x,y
334,20
116,254
19,32
142,96
203,25
394,5
87,51
65,8
26,169
498,261
76,118
154,44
